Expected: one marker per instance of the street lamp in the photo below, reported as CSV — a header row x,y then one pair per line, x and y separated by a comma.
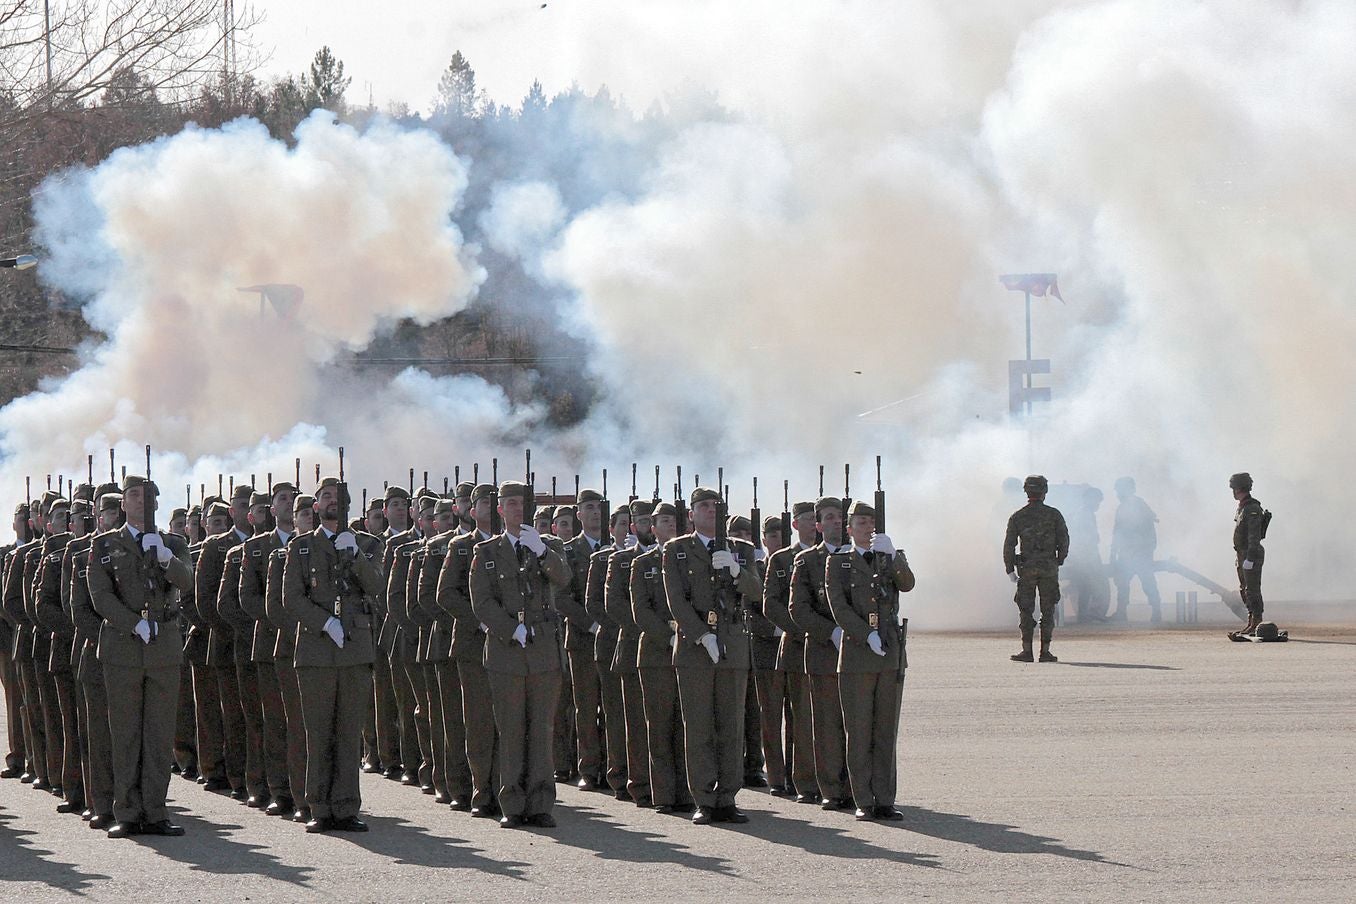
x,y
19,262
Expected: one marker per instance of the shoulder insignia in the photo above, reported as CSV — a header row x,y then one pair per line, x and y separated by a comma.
x,y
303,549
846,564
223,547
80,572
740,560
680,556
489,564
652,573
781,573
461,551
256,552
105,560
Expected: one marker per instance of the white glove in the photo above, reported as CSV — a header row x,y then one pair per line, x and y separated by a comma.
x,y
345,542
1247,564
151,541
595,628
712,646
759,553
723,558
335,630
143,630
1013,575
631,541
873,641
528,536
837,638
520,635
881,543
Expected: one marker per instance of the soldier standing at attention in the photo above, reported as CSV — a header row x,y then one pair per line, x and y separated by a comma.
x,y
1249,529
580,640
605,651
140,651
864,580
712,655
284,658
509,594
1044,541
325,578
617,605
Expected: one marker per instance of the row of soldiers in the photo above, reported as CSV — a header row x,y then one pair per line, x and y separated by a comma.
x,y
463,644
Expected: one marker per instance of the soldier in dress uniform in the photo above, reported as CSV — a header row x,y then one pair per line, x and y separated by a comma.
x,y
711,655
50,615
509,577
453,598
604,651
754,624
9,673
207,711
864,580
810,610
791,654
284,658
416,744
135,577
617,606
328,581
211,566
580,643
769,681
1040,532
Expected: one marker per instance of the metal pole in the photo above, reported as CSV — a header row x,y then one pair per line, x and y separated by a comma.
x,y
1027,376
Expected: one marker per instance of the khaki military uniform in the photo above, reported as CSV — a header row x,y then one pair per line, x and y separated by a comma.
x,y
617,609
451,769
810,610
399,639
335,682
221,653
790,664
712,694
609,681
21,653
96,735
581,648
207,713
864,597
48,708
508,588
50,616
467,652
241,626
659,681
763,722
257,634
284,664
1043,537
9,679
141,679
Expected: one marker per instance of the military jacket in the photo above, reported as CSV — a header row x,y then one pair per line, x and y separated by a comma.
x,y
85,652
39,640
1042,534
595,604
572,599
763,635
21,643
864,597
650,610
809,608
229,612
1248,530
690,586
399,636
49,613
510,586
206,588
435,625
283,623
320,584
199,630
617,608
125,588
454,598
252,593
777,608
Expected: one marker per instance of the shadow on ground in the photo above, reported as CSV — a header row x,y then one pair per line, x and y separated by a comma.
x,y
594,830
206,847
1121,665
826,841
989,836
23,861
406,843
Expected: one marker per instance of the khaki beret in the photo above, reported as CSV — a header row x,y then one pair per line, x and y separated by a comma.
x,y
81,506
444,506
827,502
563,510
242,493
771,523
105,488
179,513
511,488
801,508
641,508
84,491
701,494
859,507
482,491
195,512
588,495
427,502
665,508
109,501
59,502
464,489
326,482
303,502
738,522
218,510
395,492
260,499
548,512
21,509
375,503
136,480
282,487
211,499
47,499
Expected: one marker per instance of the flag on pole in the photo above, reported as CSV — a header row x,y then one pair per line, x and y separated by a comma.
x,y
1038,284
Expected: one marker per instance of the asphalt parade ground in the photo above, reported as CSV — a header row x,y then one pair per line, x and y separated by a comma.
x,y
1164,765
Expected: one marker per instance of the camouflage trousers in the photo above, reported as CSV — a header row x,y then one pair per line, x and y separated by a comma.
x,y
1250,586
1033,580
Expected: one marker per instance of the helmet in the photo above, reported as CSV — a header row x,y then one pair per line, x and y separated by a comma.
x,y
1267,631
1036,484
1125,485
1241,481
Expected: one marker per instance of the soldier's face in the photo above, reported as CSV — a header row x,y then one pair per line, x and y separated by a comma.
x,y
464,508
327,503
621,524
1240,495
741,534
483,512
195,524
20,522
665,528
831,524
177,525
444,521
543,524
240,514
218,524
591,516
258,515
57,520
772,541
804,524
133,504
511,510
704,516
861,527
283,503
376,521
108,519
564,527
304,520
643,525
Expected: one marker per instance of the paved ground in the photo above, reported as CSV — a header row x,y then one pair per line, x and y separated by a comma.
x,y
1147,766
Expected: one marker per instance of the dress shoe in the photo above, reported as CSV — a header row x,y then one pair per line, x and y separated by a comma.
x,y
1047,656
703,817
811,798
889,813
685,809
779,791
239,794
863,815
486,812
832,803
665,809
511,822
428,789
461,805
163,827
755,780
175,769
563,776
216,784
101,821
731,814
191,773
202,779
281,806
349,824
11,772
542,820
410,778
369,766
71,806
442,797
392,772
28,777
257,801
586,784
41,784
87,814
645,803
321,824
124,829
1024,656
623,794
303,815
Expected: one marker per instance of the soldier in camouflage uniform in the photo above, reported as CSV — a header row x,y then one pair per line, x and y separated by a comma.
x,y
1248,552
1044,540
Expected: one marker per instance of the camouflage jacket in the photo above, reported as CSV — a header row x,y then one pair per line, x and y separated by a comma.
x,y
1043,535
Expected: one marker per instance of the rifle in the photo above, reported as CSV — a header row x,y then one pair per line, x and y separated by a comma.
x,y
456,474
28,510
91,469
721,582
364,502
221,493
298,475
494,471
444,487
149,559
756,518
317,475
411,481
496,522
112,468
847,502
606,536
124,472
232,484
426,480
878,561
49,483
679,503
656,484
634,497
345,560
786,513
475,473
527,455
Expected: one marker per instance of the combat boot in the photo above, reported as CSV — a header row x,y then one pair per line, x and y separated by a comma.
x,y
1025,655
1046,655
